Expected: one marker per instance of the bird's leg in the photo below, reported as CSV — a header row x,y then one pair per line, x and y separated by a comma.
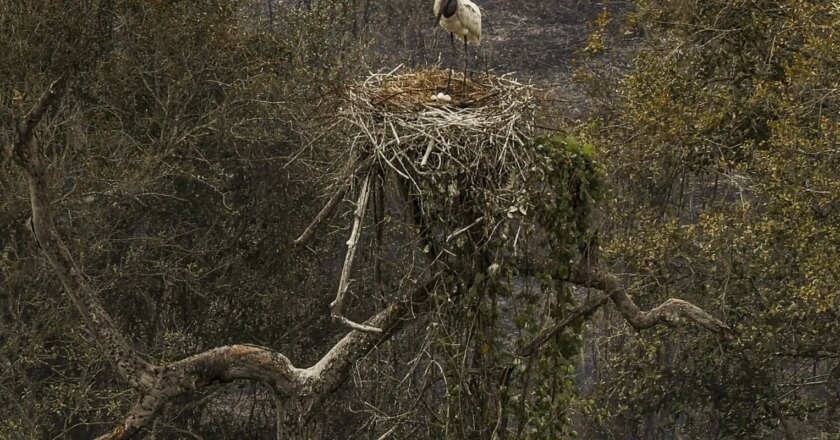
x,y
486,63
449,80
466,58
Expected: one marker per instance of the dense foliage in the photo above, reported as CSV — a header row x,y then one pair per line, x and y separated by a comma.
x,y
195,140
169,171
722,148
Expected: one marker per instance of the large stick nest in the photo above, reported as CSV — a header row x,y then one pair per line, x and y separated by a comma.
x,y
479,137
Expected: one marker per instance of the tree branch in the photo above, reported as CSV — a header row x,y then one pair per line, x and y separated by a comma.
x,y
26,128
158,385
325,212
337,306
670,312
333,202
28,155
334,367
218,365
579,312
250,362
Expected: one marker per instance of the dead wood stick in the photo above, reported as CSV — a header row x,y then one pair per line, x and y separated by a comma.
x,y
352,243
429,149
355,167
579,312
325,212
379,221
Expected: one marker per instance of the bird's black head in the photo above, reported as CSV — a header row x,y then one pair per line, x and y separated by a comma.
x,y
447,9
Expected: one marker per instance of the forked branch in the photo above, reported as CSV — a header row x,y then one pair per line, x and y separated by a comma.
x,y
157,385
337,306
332,203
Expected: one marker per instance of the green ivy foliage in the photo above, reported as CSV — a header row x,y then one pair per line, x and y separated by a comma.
x,y
574,179
488,305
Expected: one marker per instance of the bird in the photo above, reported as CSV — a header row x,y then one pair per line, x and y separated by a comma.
x,y
461,18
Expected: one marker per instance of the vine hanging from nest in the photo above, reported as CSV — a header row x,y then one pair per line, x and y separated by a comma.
x,y
463,162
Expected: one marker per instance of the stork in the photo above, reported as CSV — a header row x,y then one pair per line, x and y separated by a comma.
x,y
461,18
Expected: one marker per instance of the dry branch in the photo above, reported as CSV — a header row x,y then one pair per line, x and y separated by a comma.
x,y
27,153
325,212
671,312
337,306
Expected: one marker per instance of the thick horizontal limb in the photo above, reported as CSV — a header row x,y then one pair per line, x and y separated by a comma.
x,y
250,362
218,365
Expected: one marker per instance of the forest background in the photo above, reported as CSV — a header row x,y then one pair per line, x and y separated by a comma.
x,y
192,142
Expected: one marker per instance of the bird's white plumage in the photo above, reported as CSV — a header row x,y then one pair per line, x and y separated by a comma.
x,y
465,23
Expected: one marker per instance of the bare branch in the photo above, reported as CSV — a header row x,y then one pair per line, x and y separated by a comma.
x,y
343,185
218,365
579,312
325,212
335,366
355,325
26,129
33,118
251,362
670,312
379,224
135,370
336,307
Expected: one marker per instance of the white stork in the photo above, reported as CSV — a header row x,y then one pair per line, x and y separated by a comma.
x,y
461,18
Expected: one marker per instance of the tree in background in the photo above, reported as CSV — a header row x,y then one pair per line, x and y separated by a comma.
x,y
168,178
722,145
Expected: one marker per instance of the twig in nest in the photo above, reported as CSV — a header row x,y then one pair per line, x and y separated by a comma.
x,y
428,152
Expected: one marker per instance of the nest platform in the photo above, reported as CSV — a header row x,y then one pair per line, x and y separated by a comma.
x,y
400,118
465,160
